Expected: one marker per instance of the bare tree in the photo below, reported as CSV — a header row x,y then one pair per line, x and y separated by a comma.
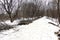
x,y
7,7
18,9
10,6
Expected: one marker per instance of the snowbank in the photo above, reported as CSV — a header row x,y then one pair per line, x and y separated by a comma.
x,y
38,30
15,22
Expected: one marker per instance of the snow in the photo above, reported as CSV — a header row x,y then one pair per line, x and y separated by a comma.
x,y
15,22
38,30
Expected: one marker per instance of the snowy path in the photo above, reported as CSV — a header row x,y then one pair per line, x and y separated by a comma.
x,y
38,30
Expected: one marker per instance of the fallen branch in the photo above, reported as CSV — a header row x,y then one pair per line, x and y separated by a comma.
x,y
53,24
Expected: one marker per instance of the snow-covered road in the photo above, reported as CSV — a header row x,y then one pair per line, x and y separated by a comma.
x,y
38,30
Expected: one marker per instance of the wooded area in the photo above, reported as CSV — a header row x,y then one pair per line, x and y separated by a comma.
x,y
17,9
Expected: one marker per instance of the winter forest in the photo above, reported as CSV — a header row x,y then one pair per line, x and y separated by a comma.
x,y
30,19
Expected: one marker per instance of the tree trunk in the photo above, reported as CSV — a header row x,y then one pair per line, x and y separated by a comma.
x,y
58,12
10,17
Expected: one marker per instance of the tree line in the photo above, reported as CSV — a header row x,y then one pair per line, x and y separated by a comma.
x,y
15,9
